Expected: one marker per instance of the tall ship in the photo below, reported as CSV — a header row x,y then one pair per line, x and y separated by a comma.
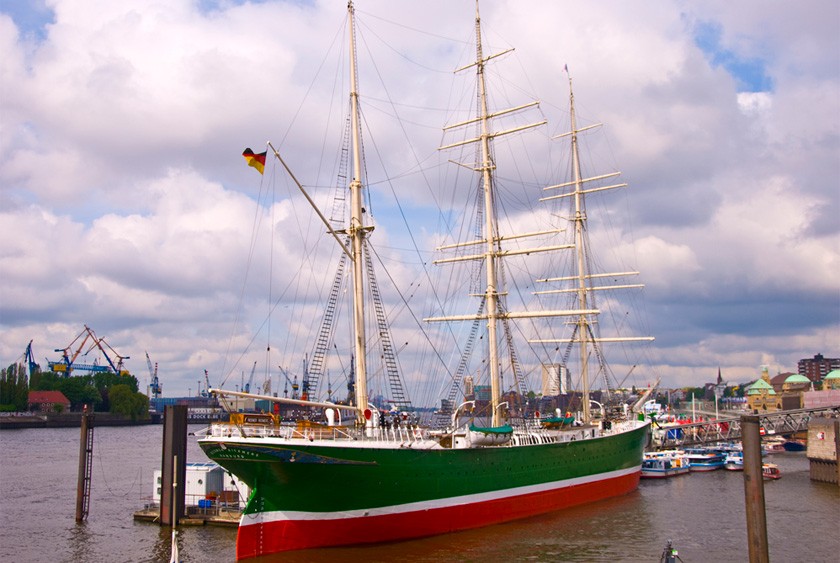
x,y
351,472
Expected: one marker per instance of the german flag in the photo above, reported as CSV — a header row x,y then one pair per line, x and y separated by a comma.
x,y
257,160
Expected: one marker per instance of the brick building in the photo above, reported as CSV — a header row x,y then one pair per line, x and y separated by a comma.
x,y
46,401
817,368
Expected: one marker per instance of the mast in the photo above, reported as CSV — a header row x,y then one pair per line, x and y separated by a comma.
x,y
582,321
357,229
491,252
490,232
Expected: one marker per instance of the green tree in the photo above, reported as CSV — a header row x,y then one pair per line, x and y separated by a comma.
x,y
79,390
126,402
14,388
105,381
45,381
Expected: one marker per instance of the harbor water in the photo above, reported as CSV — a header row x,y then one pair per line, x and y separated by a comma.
x,y
702,513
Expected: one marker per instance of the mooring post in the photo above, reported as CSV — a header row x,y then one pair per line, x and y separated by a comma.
x,y
754,490
85,459
837,448
174,444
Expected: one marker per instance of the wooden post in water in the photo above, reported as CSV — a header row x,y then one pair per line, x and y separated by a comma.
x,y
85,462
174,445
837,448
754,490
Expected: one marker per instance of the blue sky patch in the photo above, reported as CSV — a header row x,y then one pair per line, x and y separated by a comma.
x,y
750,74
31,17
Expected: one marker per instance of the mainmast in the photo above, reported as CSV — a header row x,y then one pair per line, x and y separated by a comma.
x,y
582,321
490,232
357,230
491,243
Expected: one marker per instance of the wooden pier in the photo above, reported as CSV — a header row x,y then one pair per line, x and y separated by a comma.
x,y
193,516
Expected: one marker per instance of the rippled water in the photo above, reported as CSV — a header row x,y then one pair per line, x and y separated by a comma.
x,y
703,513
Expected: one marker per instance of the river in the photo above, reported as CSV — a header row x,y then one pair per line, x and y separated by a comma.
x,y
703,513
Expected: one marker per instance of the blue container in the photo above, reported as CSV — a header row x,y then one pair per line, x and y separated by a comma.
x,y
205,503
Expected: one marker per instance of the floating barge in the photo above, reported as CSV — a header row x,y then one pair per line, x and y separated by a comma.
x,y
212,497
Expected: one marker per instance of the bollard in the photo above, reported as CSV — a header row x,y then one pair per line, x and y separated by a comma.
x,y
754,490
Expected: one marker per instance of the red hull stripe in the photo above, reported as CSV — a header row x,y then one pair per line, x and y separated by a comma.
x,y
274,532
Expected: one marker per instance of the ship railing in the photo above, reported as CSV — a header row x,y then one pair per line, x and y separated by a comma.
x,y
396,434
535,437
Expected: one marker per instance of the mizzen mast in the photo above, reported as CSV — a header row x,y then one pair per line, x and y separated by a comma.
x,y
584,335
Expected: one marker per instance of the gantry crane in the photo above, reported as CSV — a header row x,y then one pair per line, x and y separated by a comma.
x,y
68,363
247,388
154,386
30,360
294,384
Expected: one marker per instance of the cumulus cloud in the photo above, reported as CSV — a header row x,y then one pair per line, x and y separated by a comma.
x,y
125,205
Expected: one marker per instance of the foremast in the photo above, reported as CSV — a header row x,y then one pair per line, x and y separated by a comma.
x,y
357,230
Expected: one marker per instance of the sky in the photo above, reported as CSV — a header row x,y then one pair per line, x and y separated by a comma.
x,y
126,205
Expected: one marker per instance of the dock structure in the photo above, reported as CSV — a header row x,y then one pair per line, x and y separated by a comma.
x,y
780,423
193,516
824,449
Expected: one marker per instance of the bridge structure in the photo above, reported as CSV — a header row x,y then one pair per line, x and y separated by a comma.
x,y
778,423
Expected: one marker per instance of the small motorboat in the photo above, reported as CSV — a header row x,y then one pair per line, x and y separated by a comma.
x,y
660,465
734,461
771,471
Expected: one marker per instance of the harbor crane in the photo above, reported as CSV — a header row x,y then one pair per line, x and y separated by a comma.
x,y
247,388
29,358
206,391
154,383
68,362
294,384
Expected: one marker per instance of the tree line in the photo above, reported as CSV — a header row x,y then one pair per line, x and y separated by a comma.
x,y
104,391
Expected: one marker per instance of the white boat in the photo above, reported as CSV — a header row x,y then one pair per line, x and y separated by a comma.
x,y
773,444
734,461
704,459
661,465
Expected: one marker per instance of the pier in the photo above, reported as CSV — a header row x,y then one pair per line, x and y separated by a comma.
x,y
779,423
194,516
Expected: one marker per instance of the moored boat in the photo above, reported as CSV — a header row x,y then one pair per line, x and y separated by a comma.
x,y
734,461
660,465
318,484
704,459
773,444
795,445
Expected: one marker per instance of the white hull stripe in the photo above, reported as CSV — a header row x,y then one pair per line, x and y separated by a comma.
x,y
279,516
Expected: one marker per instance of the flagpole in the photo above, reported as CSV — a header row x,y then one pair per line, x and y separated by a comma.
x,y
311,202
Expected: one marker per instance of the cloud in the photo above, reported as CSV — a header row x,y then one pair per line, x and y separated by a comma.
x,y
125,204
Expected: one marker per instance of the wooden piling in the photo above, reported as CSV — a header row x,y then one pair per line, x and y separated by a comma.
x,y
174,444
754,490
85,463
